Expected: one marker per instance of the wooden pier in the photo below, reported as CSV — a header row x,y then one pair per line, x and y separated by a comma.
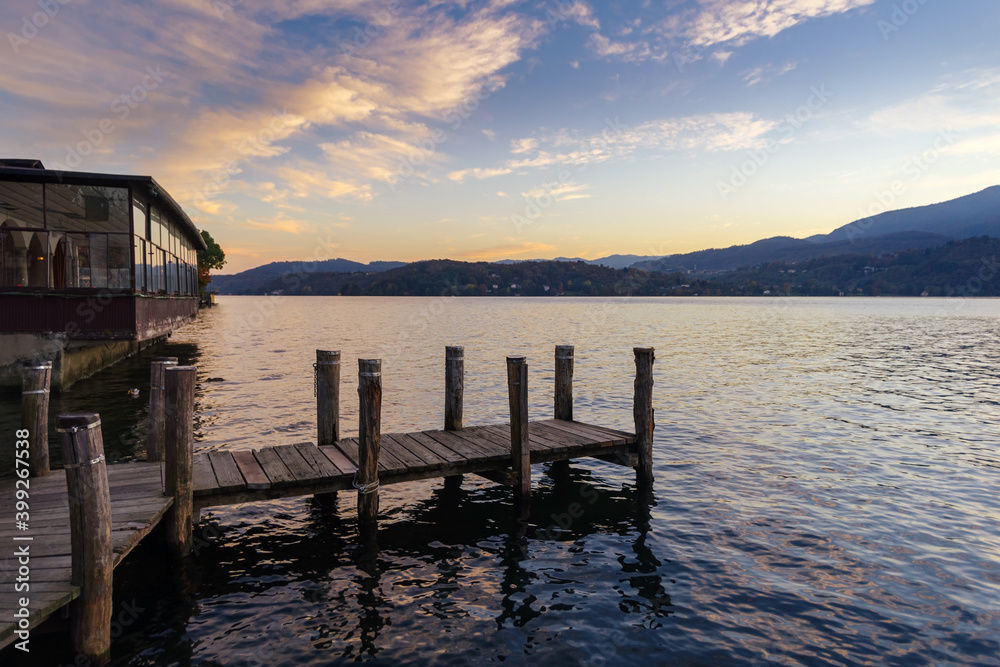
x,y
228,477
86,518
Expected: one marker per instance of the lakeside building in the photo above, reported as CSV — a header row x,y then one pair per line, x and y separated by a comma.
x,y
93,267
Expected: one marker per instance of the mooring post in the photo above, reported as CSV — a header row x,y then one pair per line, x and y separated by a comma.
x,y
327,389
179,384
155,436
564,383
36,381
563,397
454,397
328,396
90,534
369,438
520,455
642,411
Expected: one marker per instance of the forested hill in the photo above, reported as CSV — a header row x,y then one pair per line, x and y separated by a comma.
x,y
448,277
967,267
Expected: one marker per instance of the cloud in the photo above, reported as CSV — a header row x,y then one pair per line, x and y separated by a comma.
x,y
558,192
506,251
347,117
705,132
766,72
961,107
477,172
281,223
629,52
738,22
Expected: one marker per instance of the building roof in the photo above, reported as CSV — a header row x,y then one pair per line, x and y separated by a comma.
x,y
23,171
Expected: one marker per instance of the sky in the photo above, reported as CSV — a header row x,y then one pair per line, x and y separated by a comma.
x,y
389,130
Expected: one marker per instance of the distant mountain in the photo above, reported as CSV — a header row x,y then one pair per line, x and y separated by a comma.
x,y
611,261
249,281
920,227
977,214
787,249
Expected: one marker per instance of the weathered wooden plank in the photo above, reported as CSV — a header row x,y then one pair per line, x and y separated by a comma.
x,y
442,451
498,438
337,458
587,433
409,460
571,433
204,476
276,471
296,464
252,473
423,452
387,460
539,441
317,461
349,448
558,440
474,437
469,450
226,471
610,431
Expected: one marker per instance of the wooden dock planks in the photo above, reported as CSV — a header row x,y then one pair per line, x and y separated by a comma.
x,y
302,469
227,477
137,505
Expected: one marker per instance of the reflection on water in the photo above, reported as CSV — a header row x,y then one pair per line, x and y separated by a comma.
x,y
825,489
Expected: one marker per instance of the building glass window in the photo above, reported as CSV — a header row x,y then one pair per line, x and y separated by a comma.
x,y
86,208
119,261
21,205
25,258
140,263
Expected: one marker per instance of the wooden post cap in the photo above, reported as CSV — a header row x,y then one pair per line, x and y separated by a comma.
x,y
67,423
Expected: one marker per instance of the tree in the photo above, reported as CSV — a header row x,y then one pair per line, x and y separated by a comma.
x,y
212,258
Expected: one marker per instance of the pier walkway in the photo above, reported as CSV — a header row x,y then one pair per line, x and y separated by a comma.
x,y
82,520
137,505
230,477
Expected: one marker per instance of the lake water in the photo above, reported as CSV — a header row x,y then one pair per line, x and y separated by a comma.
x,y
827,475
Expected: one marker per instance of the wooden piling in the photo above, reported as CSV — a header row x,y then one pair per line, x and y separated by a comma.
x,y
90,534
328,396
454,387
520,455
642,411
564,382
179,385
155,436
454,398
36,380
369,438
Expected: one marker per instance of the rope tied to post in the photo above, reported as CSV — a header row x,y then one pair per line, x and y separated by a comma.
x,y
364,489
84,464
